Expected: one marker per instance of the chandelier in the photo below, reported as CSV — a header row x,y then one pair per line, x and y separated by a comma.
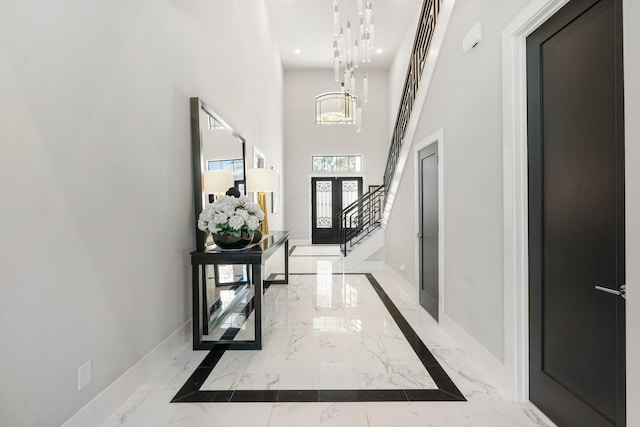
x,y
353,41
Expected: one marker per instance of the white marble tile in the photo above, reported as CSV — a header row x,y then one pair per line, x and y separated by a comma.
x,y
258,381
338,376
318,414
299,376
482,412
153,409
177,370
415,414
396,379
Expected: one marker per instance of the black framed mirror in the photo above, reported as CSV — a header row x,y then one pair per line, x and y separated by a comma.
x,y
214,145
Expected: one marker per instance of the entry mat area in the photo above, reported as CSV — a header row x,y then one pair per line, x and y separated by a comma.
x,y
315,251
327,338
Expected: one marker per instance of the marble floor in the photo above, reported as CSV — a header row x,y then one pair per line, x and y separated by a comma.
x,y
330,332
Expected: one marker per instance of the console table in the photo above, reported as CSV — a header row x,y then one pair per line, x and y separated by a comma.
x,y
254,257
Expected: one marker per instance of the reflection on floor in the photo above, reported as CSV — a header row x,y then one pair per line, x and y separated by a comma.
x,y
315,250
227,297
331,331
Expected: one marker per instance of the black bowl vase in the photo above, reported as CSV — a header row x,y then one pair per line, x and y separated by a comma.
x,y
229,241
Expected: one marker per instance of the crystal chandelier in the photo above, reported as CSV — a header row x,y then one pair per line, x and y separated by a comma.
x,y
354,34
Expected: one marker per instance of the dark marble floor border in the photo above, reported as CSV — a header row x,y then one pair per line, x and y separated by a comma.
x,y
447,391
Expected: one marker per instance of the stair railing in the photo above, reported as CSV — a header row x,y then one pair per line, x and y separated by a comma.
x,y
421,44
360,218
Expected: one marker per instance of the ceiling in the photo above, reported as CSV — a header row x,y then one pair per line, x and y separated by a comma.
x,y
307,25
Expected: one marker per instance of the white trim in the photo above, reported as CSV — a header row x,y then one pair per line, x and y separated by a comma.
x,y
514,141
435,138
423,89
101,407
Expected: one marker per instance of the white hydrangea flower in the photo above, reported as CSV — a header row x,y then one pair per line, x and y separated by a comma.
x,y
252,207
229,214
236,222
253,223
243,214
219,218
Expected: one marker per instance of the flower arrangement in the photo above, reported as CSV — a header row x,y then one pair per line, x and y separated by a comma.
x,y
231,215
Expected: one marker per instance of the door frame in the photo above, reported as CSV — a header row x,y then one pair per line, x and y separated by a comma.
x,y
435,138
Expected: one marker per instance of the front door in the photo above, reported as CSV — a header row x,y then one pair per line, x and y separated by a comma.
x,y
328,197
576,215
428,232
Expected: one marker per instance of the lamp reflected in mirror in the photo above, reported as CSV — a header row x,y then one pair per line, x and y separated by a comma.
x,y
262,181
216,182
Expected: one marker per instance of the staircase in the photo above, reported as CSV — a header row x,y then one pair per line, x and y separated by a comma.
x,y
363,217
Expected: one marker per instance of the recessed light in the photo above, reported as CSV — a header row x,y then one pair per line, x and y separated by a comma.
x,y
379,50
297,51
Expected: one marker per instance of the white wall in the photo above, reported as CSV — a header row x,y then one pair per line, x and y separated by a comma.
x,y
95,179
303,138
465,101
631,14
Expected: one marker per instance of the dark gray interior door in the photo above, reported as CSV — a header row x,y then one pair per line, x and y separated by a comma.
x,y
576,215
428,233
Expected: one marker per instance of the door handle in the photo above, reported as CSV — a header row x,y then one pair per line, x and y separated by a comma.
x,y
621,292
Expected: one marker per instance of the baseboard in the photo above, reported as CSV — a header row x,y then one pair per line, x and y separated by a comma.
x,y
111,398
492,370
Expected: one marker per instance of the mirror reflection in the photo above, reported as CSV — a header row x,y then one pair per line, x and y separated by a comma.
x,y
223,150
228,294
225,290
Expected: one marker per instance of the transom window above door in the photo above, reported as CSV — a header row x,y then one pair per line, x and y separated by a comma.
x,y
349,163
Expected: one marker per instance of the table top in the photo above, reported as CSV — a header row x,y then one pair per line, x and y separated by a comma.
x,y
255,252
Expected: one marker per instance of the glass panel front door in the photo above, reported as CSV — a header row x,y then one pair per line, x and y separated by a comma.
x,y
328,197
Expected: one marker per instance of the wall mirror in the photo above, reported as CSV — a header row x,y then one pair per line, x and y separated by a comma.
x,y
215,145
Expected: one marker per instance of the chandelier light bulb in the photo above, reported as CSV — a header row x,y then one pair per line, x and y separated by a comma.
x,y
365,88
372,33
356,52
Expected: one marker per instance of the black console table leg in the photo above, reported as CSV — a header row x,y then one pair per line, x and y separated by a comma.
x,y
286,262
256,278
195,294
205,302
